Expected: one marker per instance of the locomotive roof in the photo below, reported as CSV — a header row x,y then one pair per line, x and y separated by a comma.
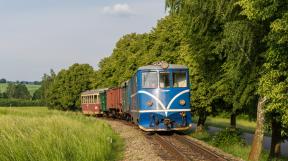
x,y
157,67
93,91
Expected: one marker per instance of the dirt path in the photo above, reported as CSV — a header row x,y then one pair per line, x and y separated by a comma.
x,y
137,147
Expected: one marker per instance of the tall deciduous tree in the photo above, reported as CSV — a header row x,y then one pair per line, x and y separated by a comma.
x,y
273,82
65,90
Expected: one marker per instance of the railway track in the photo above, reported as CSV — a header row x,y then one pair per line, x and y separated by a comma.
x,y
174,147
179,148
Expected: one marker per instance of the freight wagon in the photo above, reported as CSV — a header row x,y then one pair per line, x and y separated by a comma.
x,y
114,101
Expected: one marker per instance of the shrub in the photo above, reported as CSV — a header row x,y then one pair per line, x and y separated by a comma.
x,y
227,136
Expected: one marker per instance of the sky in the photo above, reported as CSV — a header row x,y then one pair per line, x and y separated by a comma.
x,y
39,35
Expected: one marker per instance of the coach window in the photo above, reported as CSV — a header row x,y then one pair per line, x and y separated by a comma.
x,y
164,80
97,99
179,79
149,80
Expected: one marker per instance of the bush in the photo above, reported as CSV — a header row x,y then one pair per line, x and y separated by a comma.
x,y
227,136
20,103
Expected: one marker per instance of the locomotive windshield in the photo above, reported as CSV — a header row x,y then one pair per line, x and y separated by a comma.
x,y
179,79
164,80
149,80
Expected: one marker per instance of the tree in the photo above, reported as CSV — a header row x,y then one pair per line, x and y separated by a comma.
x,y
37,95
19,91
3,80
10,90
45,88
204,25
257,143
66,87
273,82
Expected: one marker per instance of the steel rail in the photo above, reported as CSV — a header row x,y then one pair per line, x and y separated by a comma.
x,y
171,148
200,148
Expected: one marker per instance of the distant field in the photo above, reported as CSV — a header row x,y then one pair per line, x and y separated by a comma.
x,y
36,133
31,87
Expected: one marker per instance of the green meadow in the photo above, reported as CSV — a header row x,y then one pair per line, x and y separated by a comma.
x,y
31,87
36,133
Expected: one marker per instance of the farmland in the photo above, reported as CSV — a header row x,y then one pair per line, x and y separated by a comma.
x,y
41,134
31,87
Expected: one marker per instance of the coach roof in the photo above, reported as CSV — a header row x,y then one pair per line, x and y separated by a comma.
x,y
157,67
93,91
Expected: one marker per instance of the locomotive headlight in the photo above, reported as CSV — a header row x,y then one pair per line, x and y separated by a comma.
x,y
149,103
182,102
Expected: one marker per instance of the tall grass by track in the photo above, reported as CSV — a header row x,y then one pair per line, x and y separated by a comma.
x,y
28,134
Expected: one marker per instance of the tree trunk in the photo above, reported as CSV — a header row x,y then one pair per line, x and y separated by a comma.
x,y
201,122
259,132
275,149
233,121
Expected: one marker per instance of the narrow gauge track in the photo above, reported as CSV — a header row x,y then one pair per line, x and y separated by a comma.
x,y
180,148
175,147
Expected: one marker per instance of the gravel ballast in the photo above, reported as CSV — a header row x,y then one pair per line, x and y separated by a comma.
x,y
137,146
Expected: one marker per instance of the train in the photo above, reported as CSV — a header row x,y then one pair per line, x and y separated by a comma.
x,y
156,98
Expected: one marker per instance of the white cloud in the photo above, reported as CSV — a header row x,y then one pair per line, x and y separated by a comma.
x,y
118,9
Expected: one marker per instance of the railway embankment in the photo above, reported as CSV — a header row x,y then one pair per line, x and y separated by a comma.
x,y
145,146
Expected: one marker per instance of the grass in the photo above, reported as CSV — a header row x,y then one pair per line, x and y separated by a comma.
x,y
31,87
237,150
243,124
28,134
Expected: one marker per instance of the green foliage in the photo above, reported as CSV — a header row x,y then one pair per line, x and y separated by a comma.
x,y
3,80
165,42
274,80
227,137
63,91
46,87
262,10
4,102
18,91
37,94
31,87
42,134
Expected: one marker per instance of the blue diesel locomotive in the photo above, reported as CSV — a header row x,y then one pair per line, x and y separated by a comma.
x,y
160,97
